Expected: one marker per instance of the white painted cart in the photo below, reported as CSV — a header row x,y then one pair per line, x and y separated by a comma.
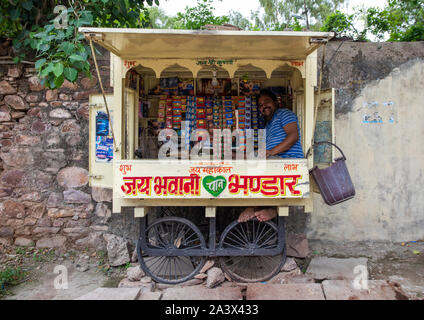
x,y
172,249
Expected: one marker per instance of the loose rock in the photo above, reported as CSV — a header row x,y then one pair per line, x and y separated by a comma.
x,y
117,250
289,265
135,273
215,277
297,245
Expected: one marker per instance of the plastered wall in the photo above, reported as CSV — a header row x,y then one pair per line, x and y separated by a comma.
x,y
380,127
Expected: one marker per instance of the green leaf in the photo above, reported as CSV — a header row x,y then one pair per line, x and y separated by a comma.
x,y
47,70
59,81
69,31
76,57
40,63
44,47
42,34
67,47
70,74
27,5
60,35
58,69
79,65
14,14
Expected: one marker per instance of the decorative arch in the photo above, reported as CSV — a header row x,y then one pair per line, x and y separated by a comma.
x,y
207,72
290,72
250,71
176,69
143,70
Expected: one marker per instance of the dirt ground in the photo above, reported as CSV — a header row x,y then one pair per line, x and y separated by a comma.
x,y
85,270
402,263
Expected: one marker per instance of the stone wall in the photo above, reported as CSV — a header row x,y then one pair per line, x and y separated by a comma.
x,y
45,198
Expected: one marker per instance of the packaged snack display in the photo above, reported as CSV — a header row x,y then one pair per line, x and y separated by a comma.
x,y
250,87
186,87
169,86
207,112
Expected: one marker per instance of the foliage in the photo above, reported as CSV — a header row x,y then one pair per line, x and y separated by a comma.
x,y
37,27
237,19
196,17
159,20
343,25
281,14
398,21
401,20
10,276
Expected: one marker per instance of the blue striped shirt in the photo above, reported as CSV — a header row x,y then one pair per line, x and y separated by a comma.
x,y
275,133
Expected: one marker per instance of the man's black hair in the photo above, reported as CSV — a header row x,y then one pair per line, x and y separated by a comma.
x,y
269,93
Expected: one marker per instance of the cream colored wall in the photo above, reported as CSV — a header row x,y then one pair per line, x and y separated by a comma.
x,y
385,161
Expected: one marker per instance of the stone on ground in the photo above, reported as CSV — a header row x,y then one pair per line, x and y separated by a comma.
x,y
202,293
117,250
189,283
297,245
369,290
215,277
125,283
294,291
135,273
209,264
294,276
289,265
112,294
149,296
324,268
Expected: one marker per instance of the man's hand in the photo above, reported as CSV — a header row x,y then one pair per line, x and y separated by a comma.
x,y
269,153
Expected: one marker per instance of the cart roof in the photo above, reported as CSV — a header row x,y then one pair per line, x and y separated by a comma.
x,y
132,44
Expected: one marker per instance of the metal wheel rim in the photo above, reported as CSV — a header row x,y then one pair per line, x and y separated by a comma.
x,y
154,265
251,268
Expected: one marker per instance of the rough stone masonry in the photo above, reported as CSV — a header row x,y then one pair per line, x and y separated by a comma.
x,y
45,199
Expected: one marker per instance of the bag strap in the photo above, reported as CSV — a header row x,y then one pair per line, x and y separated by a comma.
x,y
325,142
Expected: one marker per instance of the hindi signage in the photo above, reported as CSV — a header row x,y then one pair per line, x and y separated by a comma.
x,y
220,179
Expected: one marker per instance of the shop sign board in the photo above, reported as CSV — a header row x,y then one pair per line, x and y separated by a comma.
x,y
161,179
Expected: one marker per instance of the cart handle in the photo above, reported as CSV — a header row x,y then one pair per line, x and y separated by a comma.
x,y
325,142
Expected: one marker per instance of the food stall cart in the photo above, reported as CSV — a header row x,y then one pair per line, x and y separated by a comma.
x,y
209,79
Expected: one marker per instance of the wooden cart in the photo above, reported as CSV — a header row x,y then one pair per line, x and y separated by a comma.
x,y
173,249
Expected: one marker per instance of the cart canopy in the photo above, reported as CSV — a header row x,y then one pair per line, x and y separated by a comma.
x,y
192,44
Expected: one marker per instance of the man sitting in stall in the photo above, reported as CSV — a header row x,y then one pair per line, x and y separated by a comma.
x,y
282,141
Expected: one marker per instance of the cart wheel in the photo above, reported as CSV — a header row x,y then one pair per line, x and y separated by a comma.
x,y
172,233
251,235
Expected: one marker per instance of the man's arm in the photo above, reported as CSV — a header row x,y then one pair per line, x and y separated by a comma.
x,y
291,138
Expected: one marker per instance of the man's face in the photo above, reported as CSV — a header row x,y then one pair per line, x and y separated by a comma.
x,y
266,106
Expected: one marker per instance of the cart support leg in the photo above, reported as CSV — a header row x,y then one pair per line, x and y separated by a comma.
x,y
210,212
212,233
142,227
283,211
140,212
281,232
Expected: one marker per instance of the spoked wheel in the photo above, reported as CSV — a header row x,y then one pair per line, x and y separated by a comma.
x,y
251,235
172,233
